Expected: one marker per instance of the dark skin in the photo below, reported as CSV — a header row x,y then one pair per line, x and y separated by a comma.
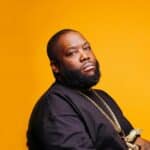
x,y
75,52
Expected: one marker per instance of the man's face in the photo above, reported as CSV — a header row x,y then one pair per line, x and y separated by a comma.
x,y
77,64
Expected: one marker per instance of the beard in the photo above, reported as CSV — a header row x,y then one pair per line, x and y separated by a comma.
x,y
77,80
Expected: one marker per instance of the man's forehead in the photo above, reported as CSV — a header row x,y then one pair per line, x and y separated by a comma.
x,y
71,39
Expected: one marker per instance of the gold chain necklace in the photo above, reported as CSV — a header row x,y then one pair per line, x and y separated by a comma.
x,y
113,121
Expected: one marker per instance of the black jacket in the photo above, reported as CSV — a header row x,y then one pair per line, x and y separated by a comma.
x,y
65,120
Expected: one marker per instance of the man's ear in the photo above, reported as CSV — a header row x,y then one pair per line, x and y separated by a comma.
x,y
54,67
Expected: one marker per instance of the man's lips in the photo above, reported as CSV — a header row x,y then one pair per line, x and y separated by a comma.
x,y
88,66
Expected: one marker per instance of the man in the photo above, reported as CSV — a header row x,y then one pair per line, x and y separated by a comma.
x,y
73,116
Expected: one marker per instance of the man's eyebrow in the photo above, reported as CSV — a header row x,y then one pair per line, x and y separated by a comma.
x,y
74,47
86,43
71,47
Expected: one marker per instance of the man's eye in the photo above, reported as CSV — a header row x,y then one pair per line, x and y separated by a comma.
x,y
71,53
87,48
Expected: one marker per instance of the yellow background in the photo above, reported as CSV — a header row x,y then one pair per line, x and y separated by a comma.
x,y
119,32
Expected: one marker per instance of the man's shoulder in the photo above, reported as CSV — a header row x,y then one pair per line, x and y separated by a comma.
x,y
52,99
54,89
56,92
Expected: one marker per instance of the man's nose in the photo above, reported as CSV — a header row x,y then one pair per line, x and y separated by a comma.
x,y
83,55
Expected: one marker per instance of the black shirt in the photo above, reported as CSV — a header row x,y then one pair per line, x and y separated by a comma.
x,y
64,120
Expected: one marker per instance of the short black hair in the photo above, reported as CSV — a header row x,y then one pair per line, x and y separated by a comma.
x,y
53,42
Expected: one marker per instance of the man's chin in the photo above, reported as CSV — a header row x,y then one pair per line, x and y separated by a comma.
x,y
85,81
80,78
